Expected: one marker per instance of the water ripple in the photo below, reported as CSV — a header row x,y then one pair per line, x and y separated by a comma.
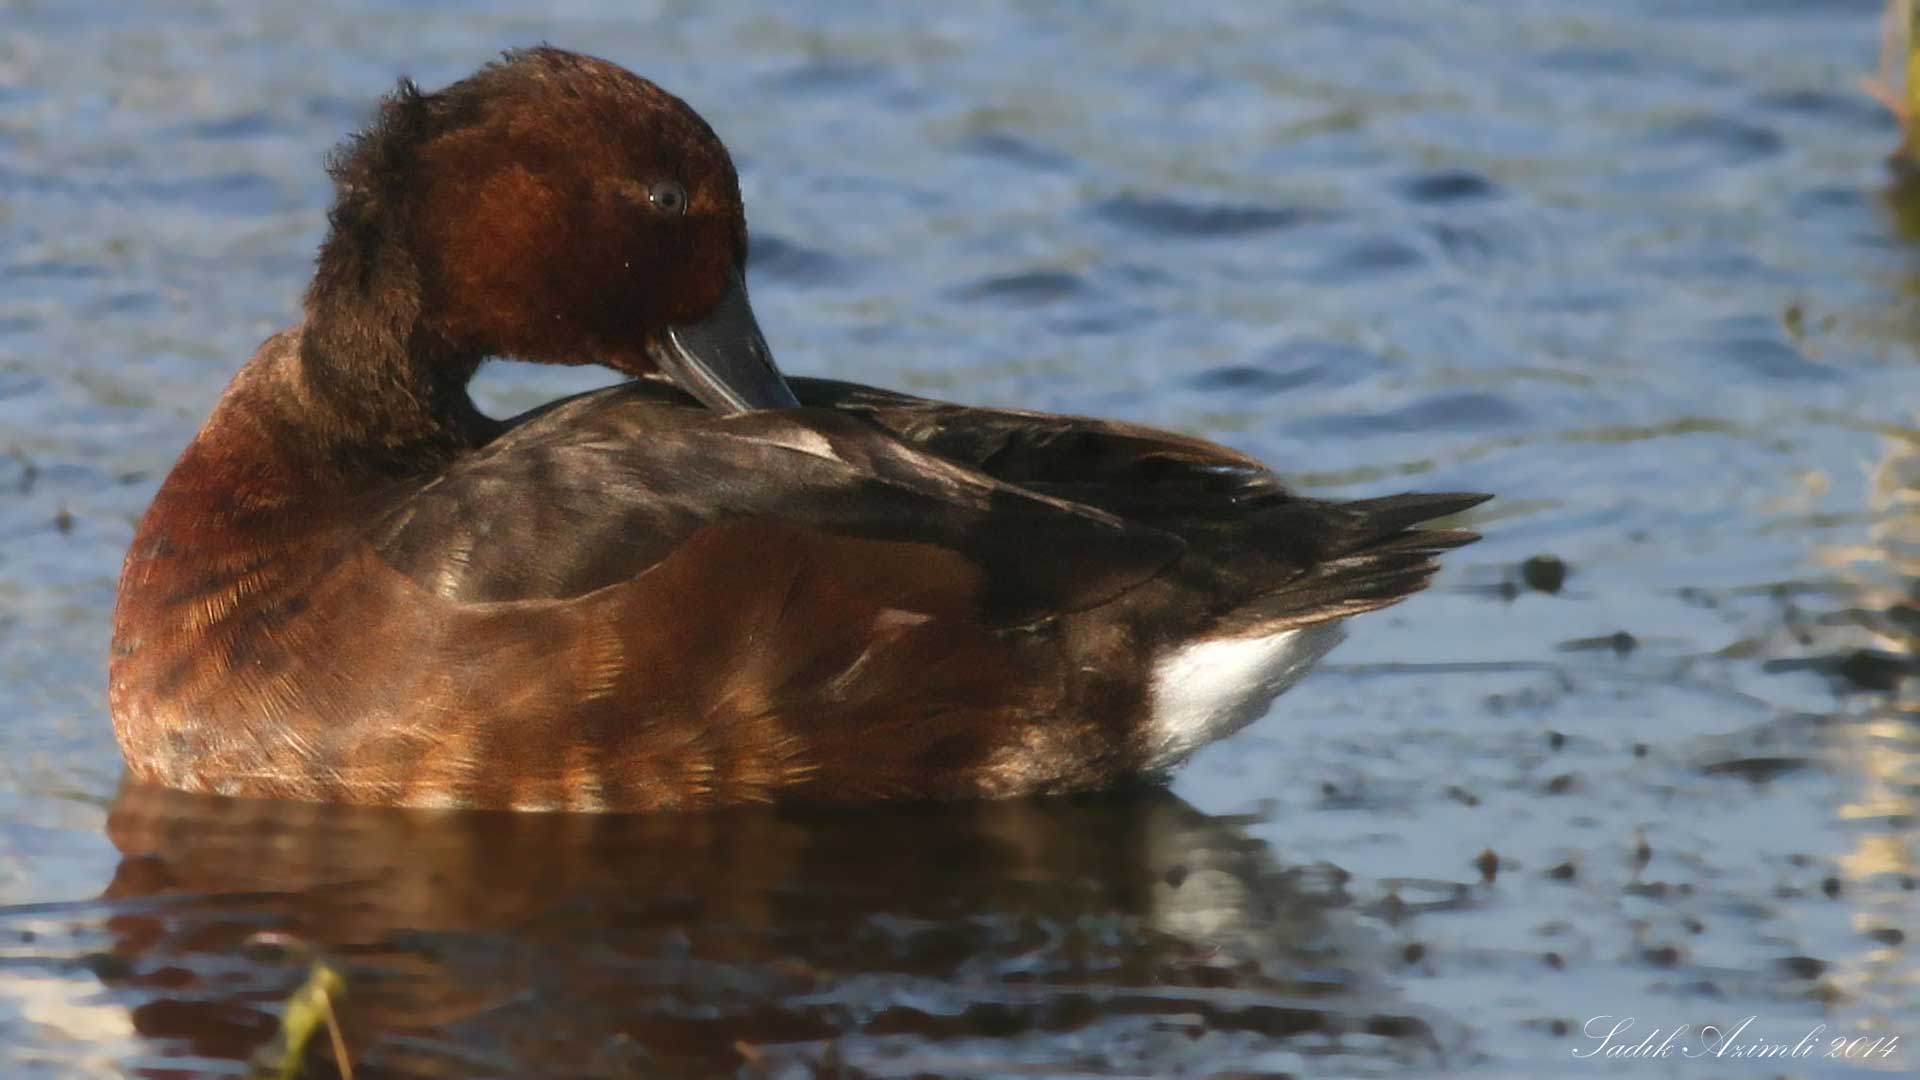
x,y
1173,217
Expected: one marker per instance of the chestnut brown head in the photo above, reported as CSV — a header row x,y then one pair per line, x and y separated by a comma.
x,y
557,208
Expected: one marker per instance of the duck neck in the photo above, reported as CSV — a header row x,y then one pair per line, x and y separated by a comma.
x,y
381,393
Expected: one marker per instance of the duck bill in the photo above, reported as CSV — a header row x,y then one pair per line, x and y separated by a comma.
x,y
723,360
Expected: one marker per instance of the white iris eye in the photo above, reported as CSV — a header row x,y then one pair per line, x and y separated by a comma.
x,y
668,197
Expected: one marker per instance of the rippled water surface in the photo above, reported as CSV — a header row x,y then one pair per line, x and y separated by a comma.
x,y
1634,266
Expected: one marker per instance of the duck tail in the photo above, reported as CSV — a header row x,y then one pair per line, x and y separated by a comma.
x,y
1339,560
1377,555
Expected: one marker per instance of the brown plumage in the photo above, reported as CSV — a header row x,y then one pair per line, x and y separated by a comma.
x,y
354,587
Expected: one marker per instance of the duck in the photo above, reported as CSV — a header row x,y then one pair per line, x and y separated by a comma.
x,y
708,585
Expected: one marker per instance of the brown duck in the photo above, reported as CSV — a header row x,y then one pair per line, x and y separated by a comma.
x,y
708,585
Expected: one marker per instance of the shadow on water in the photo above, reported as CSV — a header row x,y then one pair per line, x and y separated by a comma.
x,y
1090,934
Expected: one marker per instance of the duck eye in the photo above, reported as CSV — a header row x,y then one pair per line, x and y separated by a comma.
x,y
668,197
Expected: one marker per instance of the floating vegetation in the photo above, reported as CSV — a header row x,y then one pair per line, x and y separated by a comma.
x,y
307,1010
1897,83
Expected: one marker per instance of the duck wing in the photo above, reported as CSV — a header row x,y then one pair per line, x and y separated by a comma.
x,y
604,486
1134,472
1263,557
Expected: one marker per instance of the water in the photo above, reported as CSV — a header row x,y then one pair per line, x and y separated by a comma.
x,y
1634,267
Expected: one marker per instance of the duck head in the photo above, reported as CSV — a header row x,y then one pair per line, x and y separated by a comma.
x,y
552,207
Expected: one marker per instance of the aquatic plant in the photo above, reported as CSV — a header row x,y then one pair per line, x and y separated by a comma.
x,y
1897,82
308,1009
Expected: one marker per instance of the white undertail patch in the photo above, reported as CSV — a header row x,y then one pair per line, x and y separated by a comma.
x,y
1210,689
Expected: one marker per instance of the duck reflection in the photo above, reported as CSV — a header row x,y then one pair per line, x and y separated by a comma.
x,y
1116,931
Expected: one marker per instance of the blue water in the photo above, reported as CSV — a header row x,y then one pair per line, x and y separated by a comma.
x,y
1638,268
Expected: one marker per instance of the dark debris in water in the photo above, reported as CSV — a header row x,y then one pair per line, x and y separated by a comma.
x,y
1803,967
1866,670
1544,573
1756,770
1662,956
1488,864
1619,641
1451,186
